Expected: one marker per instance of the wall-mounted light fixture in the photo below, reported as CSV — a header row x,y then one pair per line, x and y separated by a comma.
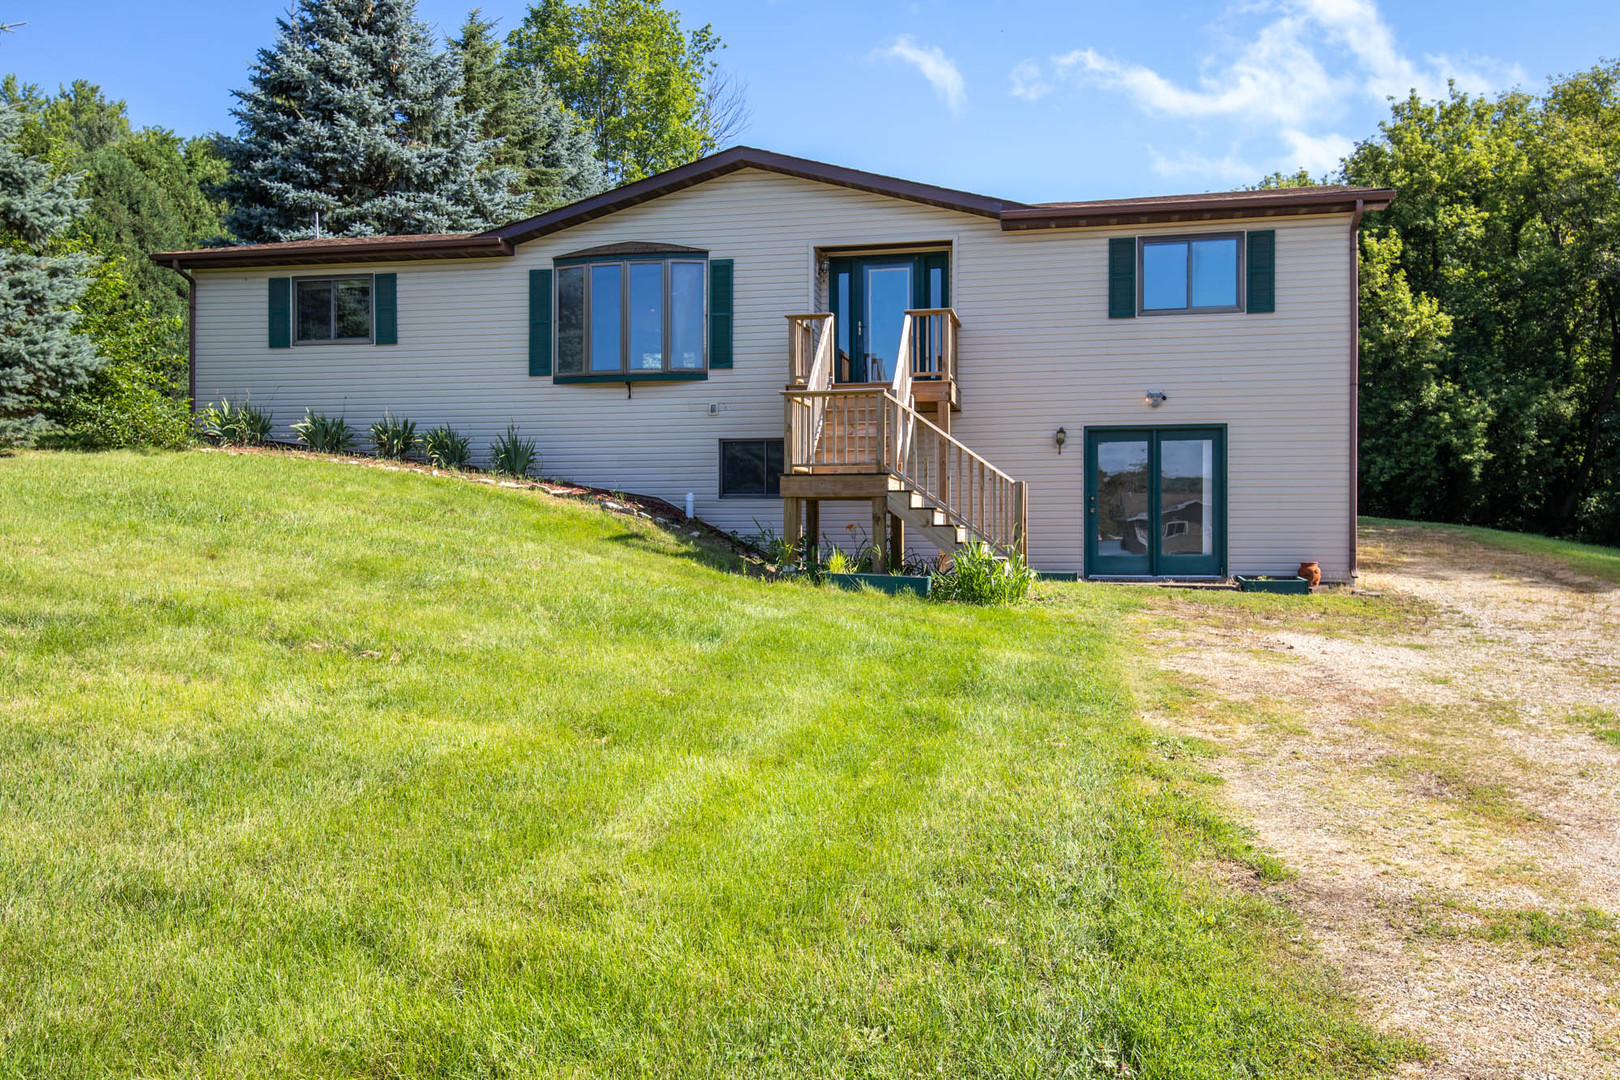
x,y
1155,398
1060,437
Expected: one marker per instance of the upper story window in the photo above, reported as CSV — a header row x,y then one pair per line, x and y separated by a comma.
x,y
332,309
639,313
1191,274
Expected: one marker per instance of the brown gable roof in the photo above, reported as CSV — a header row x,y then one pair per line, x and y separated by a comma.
x,y
1216,206
1013,216
341,249
746,157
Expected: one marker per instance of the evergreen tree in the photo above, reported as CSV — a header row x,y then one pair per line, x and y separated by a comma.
x,y
530,130
353,116
42,357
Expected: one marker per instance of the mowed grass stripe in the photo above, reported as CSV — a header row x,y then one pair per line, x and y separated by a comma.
x,y
311,770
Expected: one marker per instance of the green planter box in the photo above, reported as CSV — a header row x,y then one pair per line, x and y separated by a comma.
x,y
1290,585
893,584
1057,575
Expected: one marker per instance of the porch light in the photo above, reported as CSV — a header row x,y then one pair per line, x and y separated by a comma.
x,y
1155,398
1060,437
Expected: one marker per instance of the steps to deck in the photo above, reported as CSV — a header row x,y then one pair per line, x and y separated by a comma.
x,y
929,520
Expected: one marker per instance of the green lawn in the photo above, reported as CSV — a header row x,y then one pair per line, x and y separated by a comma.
x,y
313,770
1592,560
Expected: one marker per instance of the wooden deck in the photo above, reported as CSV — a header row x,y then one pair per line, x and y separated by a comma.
x,y
871,442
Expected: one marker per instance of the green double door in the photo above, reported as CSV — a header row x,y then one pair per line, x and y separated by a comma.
x,y
870,295
1156,502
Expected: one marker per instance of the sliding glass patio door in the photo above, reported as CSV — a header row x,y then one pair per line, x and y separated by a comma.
x,y
1155,502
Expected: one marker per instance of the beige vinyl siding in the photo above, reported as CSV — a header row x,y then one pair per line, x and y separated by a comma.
x,y
1037,351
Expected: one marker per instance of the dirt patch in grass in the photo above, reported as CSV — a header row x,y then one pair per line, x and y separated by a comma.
x,y
1437,760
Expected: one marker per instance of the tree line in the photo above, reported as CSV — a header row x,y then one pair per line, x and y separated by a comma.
x,y
1490,310
1490,289
355,121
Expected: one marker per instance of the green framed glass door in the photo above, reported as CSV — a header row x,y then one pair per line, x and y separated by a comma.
x,y
1156,501
870,295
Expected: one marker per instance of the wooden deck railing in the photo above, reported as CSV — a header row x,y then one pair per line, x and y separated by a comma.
x,y
927,347
809,337
810,365
933,343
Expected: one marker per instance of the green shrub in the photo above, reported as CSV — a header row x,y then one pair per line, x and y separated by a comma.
x,y
236,425
394,437
980,575
513,456
128,405
446,448
327,434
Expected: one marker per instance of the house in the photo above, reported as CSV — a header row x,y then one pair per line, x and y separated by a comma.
x,y
1132,387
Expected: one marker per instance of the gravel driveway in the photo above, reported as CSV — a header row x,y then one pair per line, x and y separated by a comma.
x,y
1439,760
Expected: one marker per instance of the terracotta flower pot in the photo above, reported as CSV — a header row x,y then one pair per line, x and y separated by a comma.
x,y
1311,572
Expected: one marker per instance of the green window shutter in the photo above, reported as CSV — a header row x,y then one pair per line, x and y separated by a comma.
x,y
280,312
385,308
1262,260
720,298
1122,277
539,322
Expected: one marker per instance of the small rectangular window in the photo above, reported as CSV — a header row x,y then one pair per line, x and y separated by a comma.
x,y
751,468
1191,274
332,309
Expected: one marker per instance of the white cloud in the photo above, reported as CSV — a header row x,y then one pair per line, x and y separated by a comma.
x,y
939,69
1289,79
1317,154
1230,169
1028,82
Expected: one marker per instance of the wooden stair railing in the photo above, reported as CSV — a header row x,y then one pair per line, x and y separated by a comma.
x,y
972,493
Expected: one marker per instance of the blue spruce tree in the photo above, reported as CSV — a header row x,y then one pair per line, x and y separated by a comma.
x,y
42,356
355,117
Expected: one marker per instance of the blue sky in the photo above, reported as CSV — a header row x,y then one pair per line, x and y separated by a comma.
x,y
1030,101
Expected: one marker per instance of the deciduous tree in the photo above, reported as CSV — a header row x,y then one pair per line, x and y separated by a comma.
x,y
646,90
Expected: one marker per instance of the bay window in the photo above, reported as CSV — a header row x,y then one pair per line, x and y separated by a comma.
x,y
632,315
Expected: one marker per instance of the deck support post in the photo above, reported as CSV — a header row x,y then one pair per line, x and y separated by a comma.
x,y
812,531
897,541
792,530
880,556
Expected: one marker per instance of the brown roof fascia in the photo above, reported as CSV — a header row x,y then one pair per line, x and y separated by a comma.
x,y
747,157
321,252
1225,206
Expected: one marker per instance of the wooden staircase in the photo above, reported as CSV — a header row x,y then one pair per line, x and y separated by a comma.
x,y
871,442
